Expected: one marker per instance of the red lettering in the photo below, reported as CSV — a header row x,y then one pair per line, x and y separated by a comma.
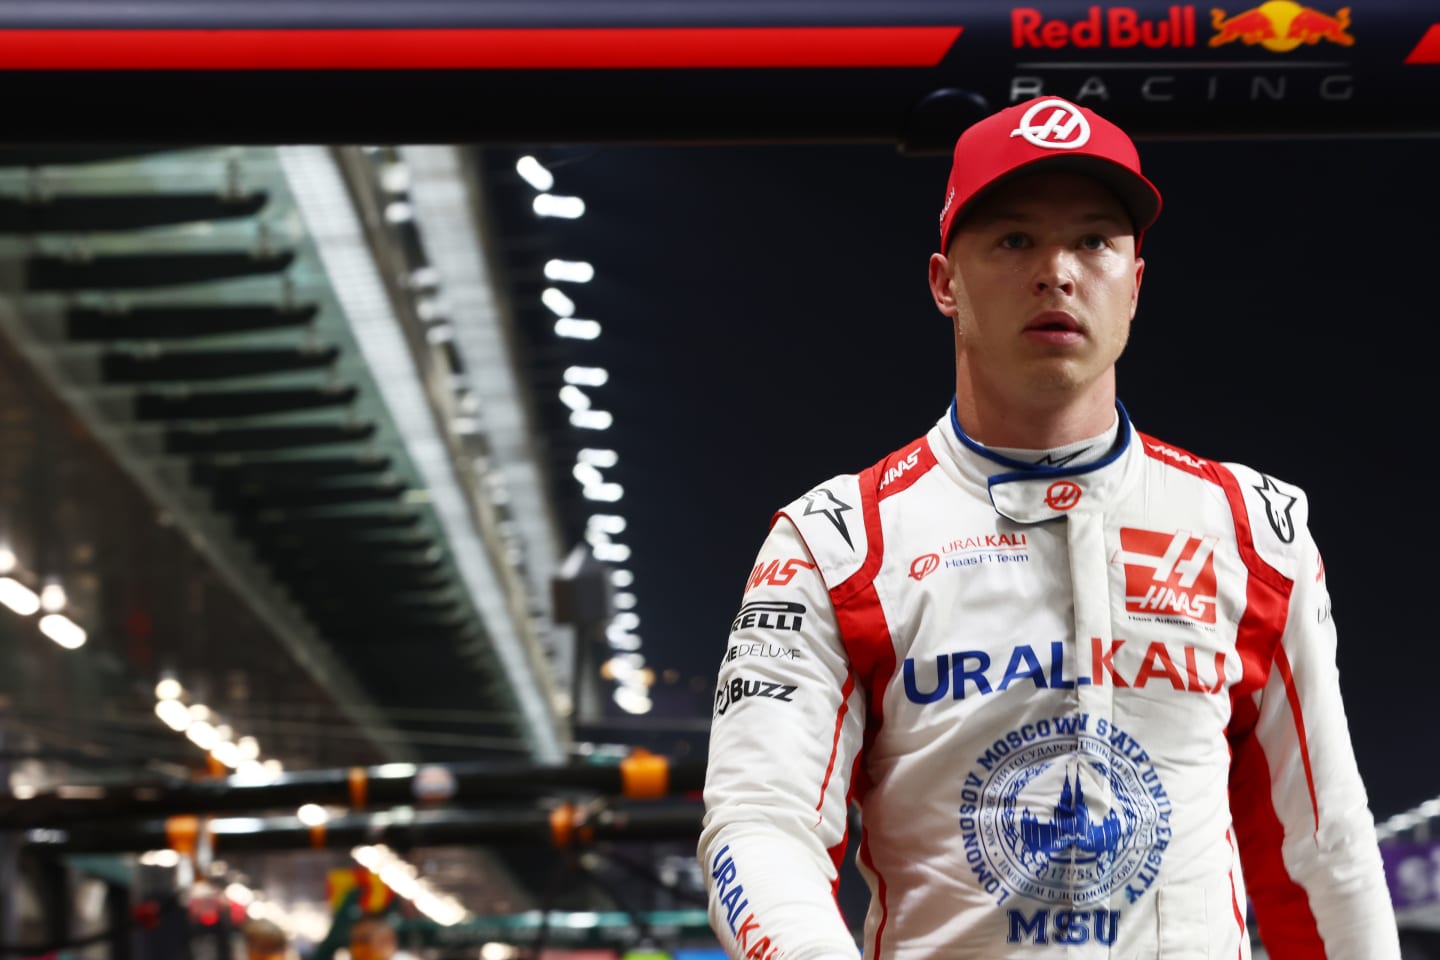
x,y
1192,674
743,934
760,950
1122,27
1157,654
760,573
1154,34
794,566
1087,32
774,574
1101,662
1219,672
1023,21
1117,27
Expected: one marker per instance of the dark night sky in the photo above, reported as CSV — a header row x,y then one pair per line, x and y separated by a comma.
x,y
767,325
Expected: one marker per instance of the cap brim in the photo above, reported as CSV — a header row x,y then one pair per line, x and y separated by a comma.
x,y
1139,195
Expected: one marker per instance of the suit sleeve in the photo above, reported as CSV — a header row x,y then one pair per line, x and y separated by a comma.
x,y
1311,860
787,725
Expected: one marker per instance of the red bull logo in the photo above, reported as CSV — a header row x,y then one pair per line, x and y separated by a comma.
x,y
1281,26
1109,27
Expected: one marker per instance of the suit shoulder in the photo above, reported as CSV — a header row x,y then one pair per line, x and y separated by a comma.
x,y
1278,510
830,519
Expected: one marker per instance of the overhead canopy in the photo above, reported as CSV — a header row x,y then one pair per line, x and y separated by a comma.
x,y
909,71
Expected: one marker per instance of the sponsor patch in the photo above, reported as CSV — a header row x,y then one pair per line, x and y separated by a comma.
x,y
776,573
728,694
972,551
1062,495
1168,575
1277,508
745,927
832,508
769,615
761,651
1066,811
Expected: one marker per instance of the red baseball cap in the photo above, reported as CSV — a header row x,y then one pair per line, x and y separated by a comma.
x,y
1046,134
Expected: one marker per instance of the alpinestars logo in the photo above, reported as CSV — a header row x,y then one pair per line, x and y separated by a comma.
x,y
831,507
1050,460
1168,574
1277,508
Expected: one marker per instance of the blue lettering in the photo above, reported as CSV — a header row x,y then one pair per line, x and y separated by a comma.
x,y
1014,673
1102,934
1070,926
1057,667
967,667
724,873
734,905
942,682
957,664
1067,927
1035,926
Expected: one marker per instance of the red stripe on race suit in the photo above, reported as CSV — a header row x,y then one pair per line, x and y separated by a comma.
x,y
872,653
866,635
837,852
1282,663
845,692
1282,907
899,471
1235,898
863,628
1175,457
654,48
1427,51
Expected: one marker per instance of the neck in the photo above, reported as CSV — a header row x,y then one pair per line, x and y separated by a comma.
x,y
1035,426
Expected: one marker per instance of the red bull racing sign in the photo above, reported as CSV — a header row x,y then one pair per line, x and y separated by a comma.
x,y
1277,25
1268,61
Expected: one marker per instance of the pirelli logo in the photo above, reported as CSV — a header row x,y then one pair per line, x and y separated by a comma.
x,y
1168,574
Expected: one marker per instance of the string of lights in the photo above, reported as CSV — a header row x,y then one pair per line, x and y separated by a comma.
x,y
626,665
50,602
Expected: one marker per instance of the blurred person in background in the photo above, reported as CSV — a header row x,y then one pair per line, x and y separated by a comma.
x,y
264,940
373,938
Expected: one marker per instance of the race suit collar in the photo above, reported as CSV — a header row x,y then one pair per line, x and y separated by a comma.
x,y
1033,493
1077,454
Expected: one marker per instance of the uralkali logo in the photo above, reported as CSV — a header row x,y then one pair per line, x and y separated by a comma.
x,y
1168,574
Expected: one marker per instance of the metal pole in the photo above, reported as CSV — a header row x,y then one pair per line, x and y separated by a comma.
x,y
565,827
9,842
640,776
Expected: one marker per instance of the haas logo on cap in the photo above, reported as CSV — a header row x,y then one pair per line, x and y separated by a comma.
x,y
949,199
1055,125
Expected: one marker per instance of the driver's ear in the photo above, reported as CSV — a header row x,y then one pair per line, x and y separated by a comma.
x,y
940,289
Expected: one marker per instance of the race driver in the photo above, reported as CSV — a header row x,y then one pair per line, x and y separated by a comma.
x,y
1078,683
